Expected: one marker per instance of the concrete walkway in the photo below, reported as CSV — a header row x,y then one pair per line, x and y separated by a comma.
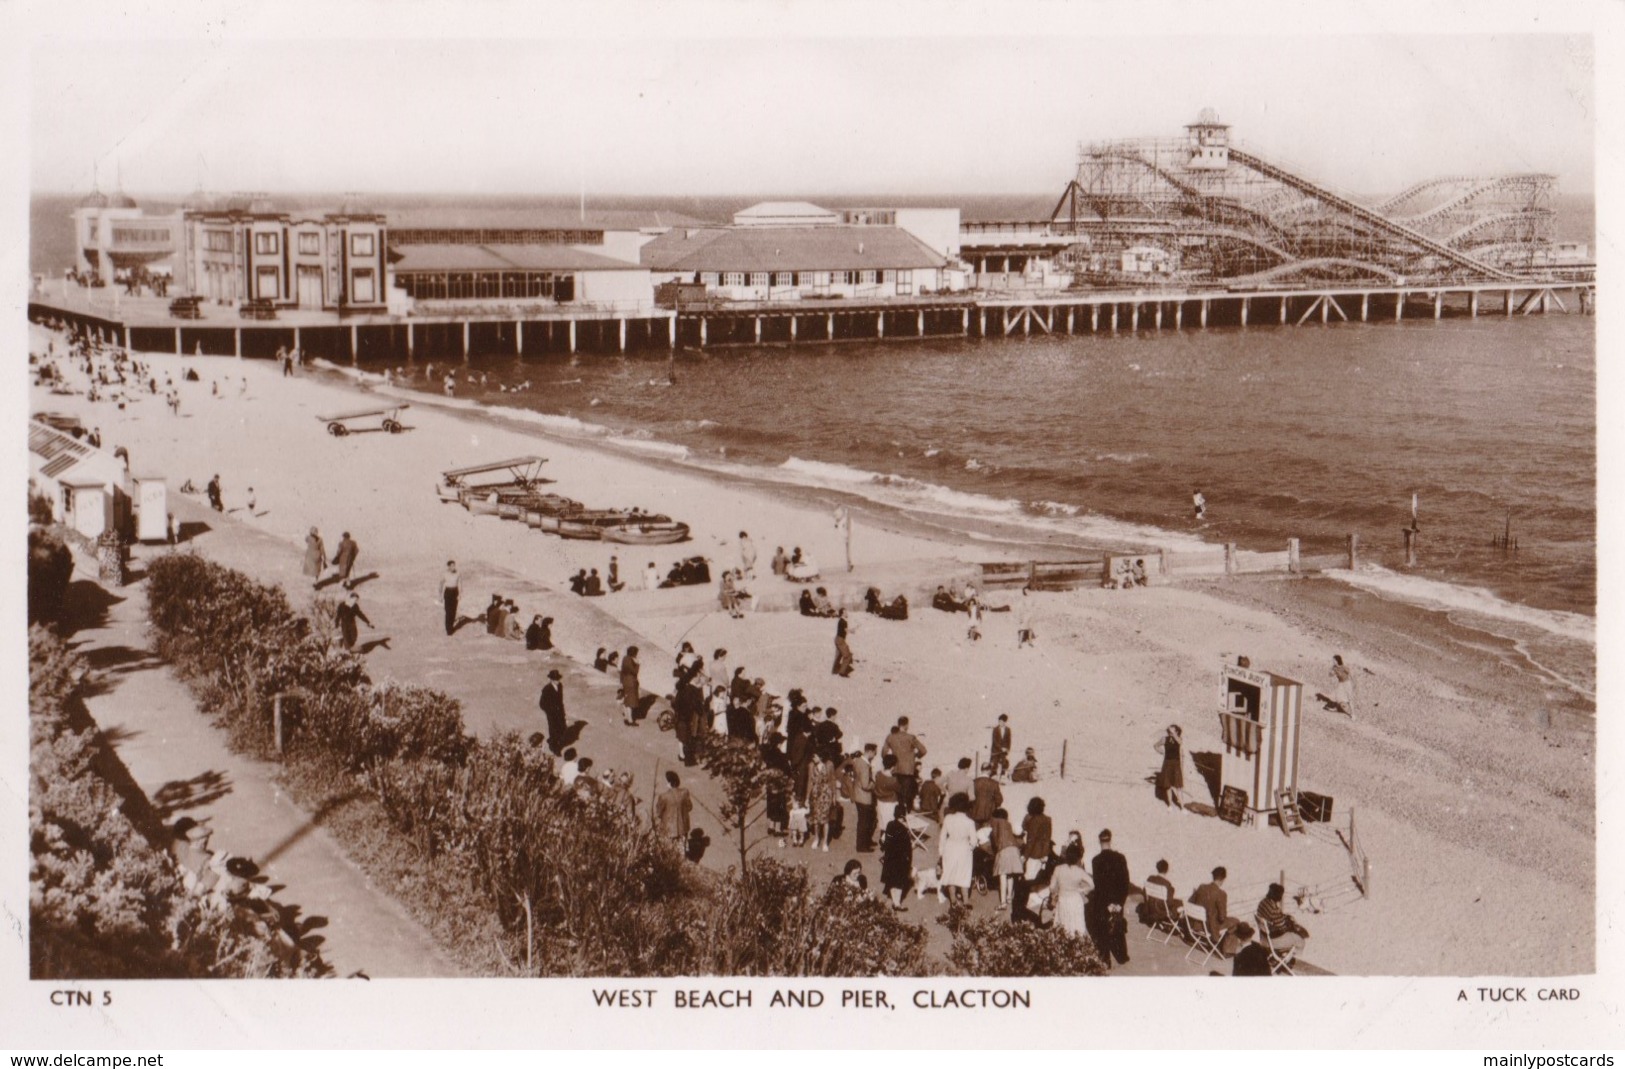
x,y
183,765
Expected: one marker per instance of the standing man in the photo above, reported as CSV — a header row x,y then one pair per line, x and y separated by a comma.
x,y
344,558
451,586
747,555
1104,919
986,797
214,494
908,750
999,751
861,769
345,616
630,694
672,809
552,704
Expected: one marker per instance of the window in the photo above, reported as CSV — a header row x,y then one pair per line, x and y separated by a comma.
x,y
265,244
361,286
905,282
708,278
733,278
360,244
866,278
840,278
783,278
268,286
758,278
217,240
310,244
814,278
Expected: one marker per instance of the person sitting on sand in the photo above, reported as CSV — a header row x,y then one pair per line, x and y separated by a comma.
x,y
539,635
613,577
1026,770
511,627
578,583
594,586
804,604
495,614
780,561
802,567
946,602
822,606
896,609
606,662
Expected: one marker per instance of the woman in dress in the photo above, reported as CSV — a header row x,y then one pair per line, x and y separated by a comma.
x,y
820,799
897,858
1067,885
1171,777
315,556
957,846
1006,846
1342,687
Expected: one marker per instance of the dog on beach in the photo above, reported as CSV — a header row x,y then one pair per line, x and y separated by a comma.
x,y
929,881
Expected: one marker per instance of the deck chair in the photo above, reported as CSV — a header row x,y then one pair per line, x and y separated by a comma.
x,y
1280,958
1200,934
1166,919
919,830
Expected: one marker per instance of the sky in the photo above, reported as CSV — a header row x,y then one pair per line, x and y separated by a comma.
x,y
638,100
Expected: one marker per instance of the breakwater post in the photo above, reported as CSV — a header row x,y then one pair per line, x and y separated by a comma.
x,y
1354,551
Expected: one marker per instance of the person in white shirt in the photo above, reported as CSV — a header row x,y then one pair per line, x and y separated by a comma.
x,y
651,577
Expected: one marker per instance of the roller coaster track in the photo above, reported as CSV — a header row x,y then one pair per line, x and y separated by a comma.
x,y
1491,220
1489,185
1190,191
1388,206
1374,219
1297,266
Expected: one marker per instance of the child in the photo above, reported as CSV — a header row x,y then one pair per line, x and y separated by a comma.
x,y
798,825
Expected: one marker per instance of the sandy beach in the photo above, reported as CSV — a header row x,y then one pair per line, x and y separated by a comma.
x,y
1472,784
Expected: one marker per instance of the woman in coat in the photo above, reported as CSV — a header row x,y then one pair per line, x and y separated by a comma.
x,y
1038,835
1006,846
957,847
897,858
315,556
1171,777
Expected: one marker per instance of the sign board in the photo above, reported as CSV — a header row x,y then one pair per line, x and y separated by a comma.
x,y
1233,805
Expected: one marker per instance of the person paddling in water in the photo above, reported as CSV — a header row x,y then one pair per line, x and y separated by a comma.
x,y
1199,506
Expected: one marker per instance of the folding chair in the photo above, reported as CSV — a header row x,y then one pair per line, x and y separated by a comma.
x,y
1200,934
1280,959
1165,916
919,830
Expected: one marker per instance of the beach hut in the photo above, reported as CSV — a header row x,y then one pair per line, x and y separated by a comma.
x,y
1260,716
87,486
151,508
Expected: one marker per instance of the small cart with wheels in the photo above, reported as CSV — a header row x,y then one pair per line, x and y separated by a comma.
x,y
338,426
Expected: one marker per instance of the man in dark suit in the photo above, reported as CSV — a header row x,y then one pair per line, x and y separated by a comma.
x,y
552,703
1212,897
1104,916
1000,752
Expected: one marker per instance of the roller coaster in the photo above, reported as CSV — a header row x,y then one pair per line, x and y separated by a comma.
x,y
1201,210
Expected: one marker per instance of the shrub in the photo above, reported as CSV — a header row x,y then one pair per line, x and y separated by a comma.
x,y
994,946
104,901
50,569
771,921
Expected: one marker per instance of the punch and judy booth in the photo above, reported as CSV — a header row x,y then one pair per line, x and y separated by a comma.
x,y
1260,715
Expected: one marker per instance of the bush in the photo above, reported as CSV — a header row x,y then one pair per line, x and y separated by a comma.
x,y
50,569
994,946
770,921
104,901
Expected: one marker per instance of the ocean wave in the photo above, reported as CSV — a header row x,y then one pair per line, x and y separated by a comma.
x,y
902,492
1454,597
649,446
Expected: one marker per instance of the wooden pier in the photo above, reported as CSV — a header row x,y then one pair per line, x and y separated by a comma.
x,y
381,339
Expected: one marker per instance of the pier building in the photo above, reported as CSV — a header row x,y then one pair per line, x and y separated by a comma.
x,y
247,248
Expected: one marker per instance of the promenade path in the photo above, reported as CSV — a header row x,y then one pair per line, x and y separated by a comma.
x,y
186,769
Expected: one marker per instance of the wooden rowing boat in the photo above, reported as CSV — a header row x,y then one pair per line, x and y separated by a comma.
x,y
646,534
